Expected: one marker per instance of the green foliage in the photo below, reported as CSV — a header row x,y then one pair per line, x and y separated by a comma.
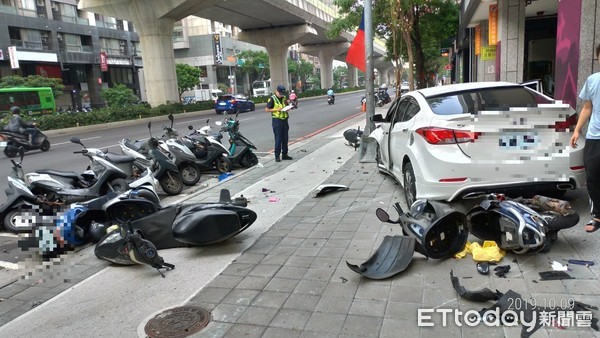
x,y
223,87
118,96
33,81
252,62
187,77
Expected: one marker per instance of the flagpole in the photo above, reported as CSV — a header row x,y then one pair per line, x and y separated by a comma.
x,y
369,75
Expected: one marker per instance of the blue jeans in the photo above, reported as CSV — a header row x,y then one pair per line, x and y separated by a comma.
x,y
32,134
280,130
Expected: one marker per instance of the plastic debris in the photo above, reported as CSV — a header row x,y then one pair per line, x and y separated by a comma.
x,y
224,176
556,266
502,270
273,199
554,275
489,252
580,262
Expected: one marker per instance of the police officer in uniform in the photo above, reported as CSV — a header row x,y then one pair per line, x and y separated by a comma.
x,y
280,124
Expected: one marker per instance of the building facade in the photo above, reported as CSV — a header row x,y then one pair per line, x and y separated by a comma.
x,y
87,51
520,40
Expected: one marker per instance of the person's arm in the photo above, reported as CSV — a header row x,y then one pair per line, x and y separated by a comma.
x,y
584,116
270,106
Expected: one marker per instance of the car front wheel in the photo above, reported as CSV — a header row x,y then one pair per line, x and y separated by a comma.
x,y
410,186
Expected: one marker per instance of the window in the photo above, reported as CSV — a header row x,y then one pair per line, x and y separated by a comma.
x,y
31,38
110,46
73,42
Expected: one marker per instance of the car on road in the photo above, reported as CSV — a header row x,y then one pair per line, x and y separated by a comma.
x,y
448,142
236,103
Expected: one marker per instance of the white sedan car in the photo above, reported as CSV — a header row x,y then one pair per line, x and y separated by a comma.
x,y
447,142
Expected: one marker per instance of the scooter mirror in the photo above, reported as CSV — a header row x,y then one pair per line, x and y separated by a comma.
x,y
149,124
190,127
74,139
382,215
171,119
207,120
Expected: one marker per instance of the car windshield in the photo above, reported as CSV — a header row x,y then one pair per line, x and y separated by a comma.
x,y
472,101
225,97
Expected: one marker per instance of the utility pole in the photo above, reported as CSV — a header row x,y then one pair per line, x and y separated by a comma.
x,y
368,146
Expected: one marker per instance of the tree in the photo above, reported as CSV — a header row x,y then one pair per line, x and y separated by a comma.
x,y
418,25
33,81
305,69
187,77
339,73
118,96
255,64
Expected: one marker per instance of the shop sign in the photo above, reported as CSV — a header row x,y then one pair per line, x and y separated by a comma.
x,y
103,62
488,53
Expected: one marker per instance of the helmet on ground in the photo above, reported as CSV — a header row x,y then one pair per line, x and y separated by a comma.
x,y
15,110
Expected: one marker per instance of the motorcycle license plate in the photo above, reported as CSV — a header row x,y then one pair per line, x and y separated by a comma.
x,y
3,144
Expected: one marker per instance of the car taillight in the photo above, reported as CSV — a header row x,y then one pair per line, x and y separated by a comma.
x,y
566,125
232,101
436,135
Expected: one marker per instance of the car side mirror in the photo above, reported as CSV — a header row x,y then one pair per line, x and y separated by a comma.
x,y
377,118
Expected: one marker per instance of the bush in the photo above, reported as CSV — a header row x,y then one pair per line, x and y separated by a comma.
x,y
118,96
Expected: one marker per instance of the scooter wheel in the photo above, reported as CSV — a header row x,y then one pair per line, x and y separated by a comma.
x,y
13,222
171,183
190,173
223,164
249,160
45,146
10,151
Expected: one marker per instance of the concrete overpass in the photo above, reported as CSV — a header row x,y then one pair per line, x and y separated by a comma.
x,y
274,24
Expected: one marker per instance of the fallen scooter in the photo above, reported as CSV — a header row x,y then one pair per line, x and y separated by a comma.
x,y
240,149
437,231
190,225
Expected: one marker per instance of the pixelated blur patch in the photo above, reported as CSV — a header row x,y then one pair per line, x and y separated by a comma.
x,y
525,144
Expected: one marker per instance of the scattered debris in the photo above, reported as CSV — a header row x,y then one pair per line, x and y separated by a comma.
x,y
324,189
581,262
225,176
392,257
556,266
483,268
273,199
482,295
502,270
344,280
554,275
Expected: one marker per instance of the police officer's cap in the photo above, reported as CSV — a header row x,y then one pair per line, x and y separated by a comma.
x,y
281,89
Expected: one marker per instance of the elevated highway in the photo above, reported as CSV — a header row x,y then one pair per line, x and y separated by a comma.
x,y
274,24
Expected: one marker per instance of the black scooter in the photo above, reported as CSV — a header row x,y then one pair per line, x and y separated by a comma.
x,y
10,142
142,225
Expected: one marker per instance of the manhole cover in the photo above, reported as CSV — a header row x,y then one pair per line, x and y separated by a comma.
x,y
177,322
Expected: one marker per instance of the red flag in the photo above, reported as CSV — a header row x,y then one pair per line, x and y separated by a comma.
x,y
356,53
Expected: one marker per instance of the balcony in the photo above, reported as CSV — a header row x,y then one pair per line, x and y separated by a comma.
x,y
79,49
110,25
28,44
72,19
8,9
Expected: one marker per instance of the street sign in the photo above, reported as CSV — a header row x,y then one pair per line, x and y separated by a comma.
x,y
12,54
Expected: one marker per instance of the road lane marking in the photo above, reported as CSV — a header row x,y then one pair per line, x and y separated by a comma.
x,y
9,265
83,139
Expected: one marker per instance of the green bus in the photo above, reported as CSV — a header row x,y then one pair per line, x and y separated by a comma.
x,y
34,101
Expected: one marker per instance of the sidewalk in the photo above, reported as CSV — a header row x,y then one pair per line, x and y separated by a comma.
x,y
286,276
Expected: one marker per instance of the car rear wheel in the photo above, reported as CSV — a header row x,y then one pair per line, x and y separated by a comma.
x,y
410,187
253,107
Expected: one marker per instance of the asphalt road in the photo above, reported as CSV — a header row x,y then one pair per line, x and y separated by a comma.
x,y
312,115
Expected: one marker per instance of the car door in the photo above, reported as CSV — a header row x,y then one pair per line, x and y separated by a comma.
x,y
401,131
385,126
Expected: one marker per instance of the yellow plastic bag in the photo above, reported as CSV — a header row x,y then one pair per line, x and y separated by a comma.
x,y
489,252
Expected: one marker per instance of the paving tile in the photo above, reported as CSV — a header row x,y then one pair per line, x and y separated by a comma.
x,y
250,258
240,297
225,281
11,290
304,302
228,313
395,327
291,272
362,326
243,330
406,294
311,287
260,316
277,332
271,299
299,261
368,307
7,305
334,304
264,270
330,323
373,291
291,319
211,295
238,269
281,284
213,329
30,293
321,274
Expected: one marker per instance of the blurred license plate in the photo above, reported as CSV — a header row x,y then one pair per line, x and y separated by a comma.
x,y
222,103
518,140
3,144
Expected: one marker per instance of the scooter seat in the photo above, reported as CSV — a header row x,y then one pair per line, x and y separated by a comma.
x,y
137,145
115,158
67,174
